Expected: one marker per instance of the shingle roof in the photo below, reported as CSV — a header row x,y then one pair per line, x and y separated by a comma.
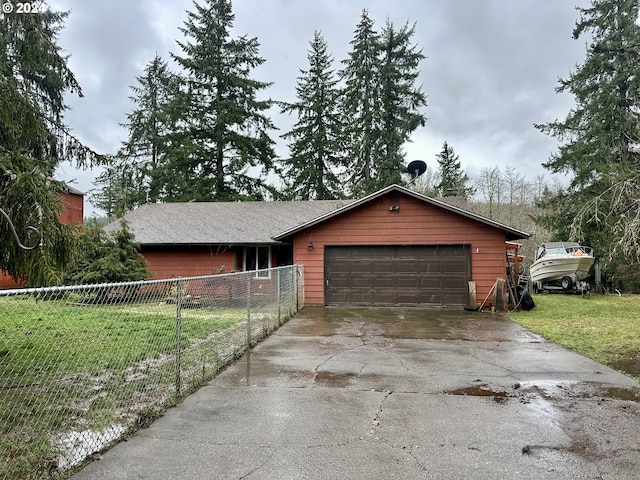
x,y
246,223
220,223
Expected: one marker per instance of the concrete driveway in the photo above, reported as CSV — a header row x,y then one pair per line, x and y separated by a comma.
x,y
363,393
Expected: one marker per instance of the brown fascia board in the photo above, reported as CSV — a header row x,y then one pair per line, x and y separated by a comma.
x,y
512,233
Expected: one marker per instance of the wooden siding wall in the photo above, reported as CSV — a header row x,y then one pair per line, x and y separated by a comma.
x,y
415,223
188,262
72,213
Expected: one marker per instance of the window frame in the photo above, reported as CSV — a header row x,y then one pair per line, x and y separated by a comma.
x,y
264,272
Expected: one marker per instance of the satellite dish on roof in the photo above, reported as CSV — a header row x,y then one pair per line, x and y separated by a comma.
x,y
416,168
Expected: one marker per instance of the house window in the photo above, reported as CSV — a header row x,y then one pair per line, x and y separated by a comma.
x,y
257,258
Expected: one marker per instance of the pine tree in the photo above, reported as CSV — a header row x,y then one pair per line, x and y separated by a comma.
x,y
225,126
107,257
34,77
600,136
401,101
152,141
118,188
382,102
140,172
452,177
316,149
361,95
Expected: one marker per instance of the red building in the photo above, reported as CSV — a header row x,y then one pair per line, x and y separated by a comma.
x,y
393,247
71,213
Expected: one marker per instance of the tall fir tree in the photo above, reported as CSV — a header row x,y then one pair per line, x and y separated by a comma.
x,y
360,104
316,150
140,172
383,101
451,174
34,78
600,137
401,102
228,151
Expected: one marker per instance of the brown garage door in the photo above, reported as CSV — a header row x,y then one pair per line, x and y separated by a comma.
x,y
397,275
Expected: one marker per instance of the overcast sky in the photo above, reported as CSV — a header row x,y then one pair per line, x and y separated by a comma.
x,y
490,72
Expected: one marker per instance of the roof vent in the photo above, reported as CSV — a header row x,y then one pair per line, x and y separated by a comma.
x,y
450,192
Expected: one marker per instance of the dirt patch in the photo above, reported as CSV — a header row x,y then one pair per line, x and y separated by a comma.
x,y
618,393
629,364
482,390
331,379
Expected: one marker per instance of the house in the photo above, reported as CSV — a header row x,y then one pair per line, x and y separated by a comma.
x,y
72,212
393,247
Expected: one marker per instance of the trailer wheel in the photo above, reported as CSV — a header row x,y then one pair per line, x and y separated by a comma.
x,y
566,283
526,302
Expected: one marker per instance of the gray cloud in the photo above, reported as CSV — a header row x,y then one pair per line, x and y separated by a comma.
x,y
490,72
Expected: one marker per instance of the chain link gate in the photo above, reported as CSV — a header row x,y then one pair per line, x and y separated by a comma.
x,y
83,366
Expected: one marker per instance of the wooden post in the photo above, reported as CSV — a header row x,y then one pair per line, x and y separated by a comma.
x,y
500,304
471,297
598,274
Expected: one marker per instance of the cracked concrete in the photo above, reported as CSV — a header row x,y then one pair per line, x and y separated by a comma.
x,y
356,393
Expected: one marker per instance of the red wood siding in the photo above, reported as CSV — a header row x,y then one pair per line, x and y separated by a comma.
x,y
71,213
7,282
73,210
415,223
188,262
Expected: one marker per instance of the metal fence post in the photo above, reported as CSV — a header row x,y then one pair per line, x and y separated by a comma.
x,y
179,295
294,273
278,272
248,310
140,372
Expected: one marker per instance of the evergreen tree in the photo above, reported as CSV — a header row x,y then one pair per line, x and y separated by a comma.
x,y
452,177
316,148
119,188
140,172
360,103
34,77
401,101
601,136
225,127
151,128
382,102
107,257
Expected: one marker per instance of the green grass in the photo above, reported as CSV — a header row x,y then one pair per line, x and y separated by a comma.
x,y
605,328
66,367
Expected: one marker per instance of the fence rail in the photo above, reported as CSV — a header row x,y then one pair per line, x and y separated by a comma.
x,y
83,366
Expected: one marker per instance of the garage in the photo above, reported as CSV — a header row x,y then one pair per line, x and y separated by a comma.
x,y
389,275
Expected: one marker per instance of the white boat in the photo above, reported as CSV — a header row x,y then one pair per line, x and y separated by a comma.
x,y
562,265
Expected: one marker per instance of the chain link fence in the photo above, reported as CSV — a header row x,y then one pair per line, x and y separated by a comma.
x,y
84,366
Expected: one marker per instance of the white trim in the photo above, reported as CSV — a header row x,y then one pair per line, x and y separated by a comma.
x,y
260,272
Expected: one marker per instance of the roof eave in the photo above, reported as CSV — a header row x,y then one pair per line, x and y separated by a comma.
x,y
210,244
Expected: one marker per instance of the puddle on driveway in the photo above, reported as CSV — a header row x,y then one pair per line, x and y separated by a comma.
x,y
548,390
331,379
630,365
483,390
618,393
408,323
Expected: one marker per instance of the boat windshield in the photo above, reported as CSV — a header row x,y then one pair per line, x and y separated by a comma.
x,y
575,251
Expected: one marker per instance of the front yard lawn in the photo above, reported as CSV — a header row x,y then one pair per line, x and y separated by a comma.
x,y
605,328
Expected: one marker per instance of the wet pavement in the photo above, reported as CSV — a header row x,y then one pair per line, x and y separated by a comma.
x,y
355,393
